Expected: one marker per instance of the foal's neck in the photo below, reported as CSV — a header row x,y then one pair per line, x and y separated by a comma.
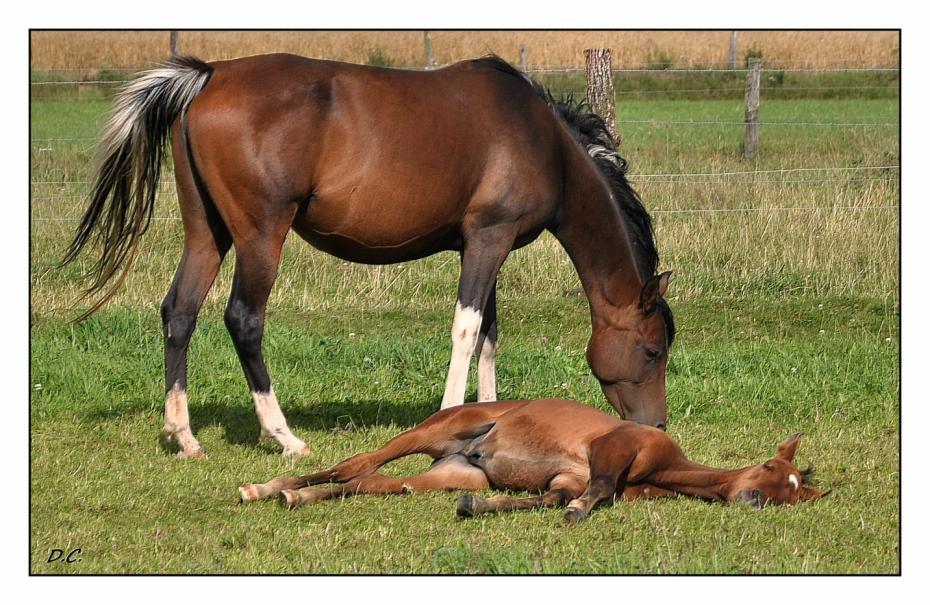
x,y
693,479
594,233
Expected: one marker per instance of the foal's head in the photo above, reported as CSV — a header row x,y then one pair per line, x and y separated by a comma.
x,y
776,481
629,355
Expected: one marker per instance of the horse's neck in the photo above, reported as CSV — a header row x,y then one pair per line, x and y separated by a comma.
x,y
693,479
593,232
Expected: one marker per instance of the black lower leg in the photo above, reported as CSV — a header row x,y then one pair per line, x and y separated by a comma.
x,y
246,325
179,311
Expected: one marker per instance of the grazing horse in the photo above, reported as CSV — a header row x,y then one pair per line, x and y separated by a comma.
x,y
565,450
376,166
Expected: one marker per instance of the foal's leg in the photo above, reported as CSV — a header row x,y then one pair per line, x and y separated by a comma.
x,y
453,472
483,254
206,241
561,489
486,349
441,435
609,461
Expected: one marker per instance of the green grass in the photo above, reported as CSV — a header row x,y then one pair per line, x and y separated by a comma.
x,y
788,321
737,387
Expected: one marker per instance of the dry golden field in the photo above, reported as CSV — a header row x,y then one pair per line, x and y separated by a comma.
x,y
545,49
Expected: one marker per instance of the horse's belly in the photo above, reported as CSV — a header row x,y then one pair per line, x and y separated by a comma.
x,y
378,251
388,232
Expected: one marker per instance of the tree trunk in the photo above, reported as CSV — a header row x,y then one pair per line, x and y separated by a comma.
x,y
601,88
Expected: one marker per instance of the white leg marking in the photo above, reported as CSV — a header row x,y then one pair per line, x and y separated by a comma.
x,y
487,379
273,423
465,327
177,422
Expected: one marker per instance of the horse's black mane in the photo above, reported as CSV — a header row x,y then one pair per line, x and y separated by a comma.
x,y
590,130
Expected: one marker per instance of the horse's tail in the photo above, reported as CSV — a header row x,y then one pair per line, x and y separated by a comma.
x,y
129,161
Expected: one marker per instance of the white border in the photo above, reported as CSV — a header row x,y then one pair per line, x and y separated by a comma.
x,y
462,15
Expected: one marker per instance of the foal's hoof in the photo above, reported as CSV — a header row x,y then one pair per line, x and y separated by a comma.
x,y
465,507
248,493
573,516
289,499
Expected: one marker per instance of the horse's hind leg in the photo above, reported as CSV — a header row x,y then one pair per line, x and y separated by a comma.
x,y
206,241
257,258
453,472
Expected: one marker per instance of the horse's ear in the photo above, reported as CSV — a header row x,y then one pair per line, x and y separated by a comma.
x,y
652,290
788,447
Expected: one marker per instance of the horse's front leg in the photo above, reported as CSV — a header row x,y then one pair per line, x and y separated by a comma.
x,y
486,349
483,253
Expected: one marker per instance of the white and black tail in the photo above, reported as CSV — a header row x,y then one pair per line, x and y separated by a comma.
x,y
129,165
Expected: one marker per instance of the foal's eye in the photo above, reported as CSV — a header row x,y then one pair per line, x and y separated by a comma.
x,y
652,354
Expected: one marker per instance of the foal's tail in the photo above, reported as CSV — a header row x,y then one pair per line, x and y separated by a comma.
x,y
129,165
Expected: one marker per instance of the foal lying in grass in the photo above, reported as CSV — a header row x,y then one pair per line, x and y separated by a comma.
x,y
567,451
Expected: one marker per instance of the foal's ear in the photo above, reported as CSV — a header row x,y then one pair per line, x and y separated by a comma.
x,y
788,447
652,290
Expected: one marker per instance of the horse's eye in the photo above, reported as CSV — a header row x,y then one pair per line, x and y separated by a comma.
x,y
652,354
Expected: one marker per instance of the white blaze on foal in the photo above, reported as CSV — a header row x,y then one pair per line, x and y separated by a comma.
x,y
274,425
793,480
465,326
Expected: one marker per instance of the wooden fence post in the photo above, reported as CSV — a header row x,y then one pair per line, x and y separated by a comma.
x,y
751,140
523,58
601,88
428,49
174,43
731,55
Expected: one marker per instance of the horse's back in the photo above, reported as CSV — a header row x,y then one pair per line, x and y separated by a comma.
x,y
389,161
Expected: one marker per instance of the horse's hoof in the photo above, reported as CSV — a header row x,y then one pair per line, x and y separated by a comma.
x,y
296,453
288,499
198,453
573,516
248,493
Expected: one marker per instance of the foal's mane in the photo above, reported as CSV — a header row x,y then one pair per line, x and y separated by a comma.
x,y
591,132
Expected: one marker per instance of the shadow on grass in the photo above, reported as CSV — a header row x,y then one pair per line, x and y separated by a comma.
x,y
240,424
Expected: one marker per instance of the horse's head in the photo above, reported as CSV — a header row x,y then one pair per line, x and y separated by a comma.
x,y
628,355
776,481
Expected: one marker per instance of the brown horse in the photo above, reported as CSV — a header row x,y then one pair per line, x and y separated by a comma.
x,y
377,166
567,451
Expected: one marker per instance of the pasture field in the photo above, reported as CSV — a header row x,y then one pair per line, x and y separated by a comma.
x,y
91,51
785,294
